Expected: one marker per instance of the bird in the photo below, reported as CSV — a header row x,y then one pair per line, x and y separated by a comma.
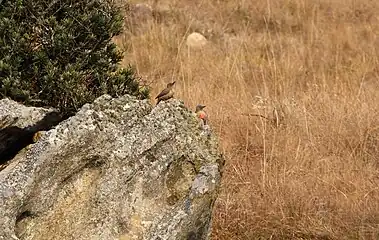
x,y
166,93
201,114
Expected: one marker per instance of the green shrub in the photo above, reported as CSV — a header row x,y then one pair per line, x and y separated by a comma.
x,y
60,53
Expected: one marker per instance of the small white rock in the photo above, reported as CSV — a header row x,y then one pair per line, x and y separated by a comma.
x,y
196,40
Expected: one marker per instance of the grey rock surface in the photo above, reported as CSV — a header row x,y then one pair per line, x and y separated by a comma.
x,y
118,169
19,115
18,123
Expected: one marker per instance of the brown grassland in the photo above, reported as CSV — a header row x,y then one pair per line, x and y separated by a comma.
x,y
309,171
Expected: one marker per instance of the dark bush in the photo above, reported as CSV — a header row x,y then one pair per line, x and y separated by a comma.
x,y
59,53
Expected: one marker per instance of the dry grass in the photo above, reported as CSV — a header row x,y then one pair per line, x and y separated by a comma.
x,y
310,65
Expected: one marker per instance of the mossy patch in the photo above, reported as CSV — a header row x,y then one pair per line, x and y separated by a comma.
x,y
179,179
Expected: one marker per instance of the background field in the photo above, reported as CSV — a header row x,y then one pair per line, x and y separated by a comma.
x,y
311,67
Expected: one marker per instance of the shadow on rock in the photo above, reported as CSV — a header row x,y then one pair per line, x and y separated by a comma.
x,y
13,138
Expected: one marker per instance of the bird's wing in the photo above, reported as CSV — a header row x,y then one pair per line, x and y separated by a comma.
x,y
206,119
164,92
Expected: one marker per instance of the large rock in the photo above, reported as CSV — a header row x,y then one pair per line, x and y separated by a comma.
x,y
18,124
118,169
20,115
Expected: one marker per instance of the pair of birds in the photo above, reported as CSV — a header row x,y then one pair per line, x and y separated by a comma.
x,y
168,93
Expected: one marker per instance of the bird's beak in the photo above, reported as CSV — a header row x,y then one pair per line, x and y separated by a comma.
x,y
173,82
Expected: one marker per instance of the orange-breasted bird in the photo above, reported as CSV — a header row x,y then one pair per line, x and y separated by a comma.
x,y
201,114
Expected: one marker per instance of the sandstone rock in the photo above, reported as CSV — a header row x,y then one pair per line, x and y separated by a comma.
x,y
118,169
196,40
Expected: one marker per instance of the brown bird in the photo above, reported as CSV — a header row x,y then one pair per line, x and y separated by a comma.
x,y
200,113
166,93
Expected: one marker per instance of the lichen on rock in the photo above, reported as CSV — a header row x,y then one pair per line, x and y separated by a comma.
x,y
119,169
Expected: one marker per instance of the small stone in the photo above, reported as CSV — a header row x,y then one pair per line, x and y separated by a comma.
x,y
196,40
